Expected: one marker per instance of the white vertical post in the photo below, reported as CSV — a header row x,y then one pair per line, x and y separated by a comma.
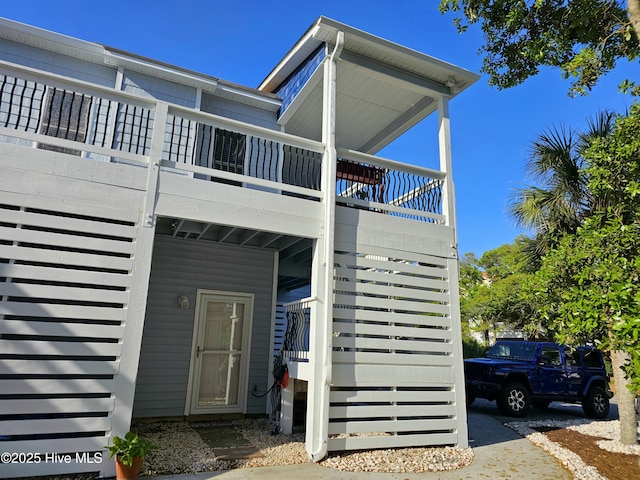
x,y
444,137
286,408
449,210
125,380
320,336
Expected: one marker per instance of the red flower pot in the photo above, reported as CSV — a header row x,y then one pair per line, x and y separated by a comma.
x,y
128,473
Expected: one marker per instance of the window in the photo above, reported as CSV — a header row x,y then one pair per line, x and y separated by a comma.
x,y
550,356
66,115
228,152
572,357
592,359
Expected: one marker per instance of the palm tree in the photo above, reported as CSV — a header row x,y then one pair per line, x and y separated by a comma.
x,y
560,200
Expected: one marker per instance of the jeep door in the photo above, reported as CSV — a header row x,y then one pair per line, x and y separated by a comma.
x,y
575,371
549,376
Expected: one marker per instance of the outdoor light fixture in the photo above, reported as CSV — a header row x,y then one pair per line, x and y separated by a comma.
x,y
183,301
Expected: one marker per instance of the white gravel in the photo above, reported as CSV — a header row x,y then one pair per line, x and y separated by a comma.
x,y
580,470
182,450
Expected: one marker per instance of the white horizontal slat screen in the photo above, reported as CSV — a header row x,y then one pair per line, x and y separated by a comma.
x,y
65,277
393,383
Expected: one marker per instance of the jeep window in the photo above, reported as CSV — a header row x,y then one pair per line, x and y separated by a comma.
x,y
592,359
513,351
572,358
550,356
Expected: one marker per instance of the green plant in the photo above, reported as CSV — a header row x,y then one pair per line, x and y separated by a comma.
x,y
125,449
472,349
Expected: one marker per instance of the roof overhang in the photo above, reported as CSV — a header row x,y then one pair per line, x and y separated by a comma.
x,y
383,88
113,57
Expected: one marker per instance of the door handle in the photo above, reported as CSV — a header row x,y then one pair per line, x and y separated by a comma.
x,y
200,349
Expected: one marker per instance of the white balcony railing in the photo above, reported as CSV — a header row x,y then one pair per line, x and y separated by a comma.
x,y
53,112
295,345
393,188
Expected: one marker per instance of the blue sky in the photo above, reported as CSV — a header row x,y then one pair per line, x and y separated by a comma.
x,y
242,41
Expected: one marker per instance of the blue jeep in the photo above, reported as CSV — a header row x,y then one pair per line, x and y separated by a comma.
x,y
519,374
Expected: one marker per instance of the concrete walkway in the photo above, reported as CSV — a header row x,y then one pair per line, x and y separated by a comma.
x,y
500,453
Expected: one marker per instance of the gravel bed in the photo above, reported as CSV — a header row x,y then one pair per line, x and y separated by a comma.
x,y
182,450
580,470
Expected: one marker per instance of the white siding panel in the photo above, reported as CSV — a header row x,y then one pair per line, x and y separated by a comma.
x,y
390,358
45,426
70,241
17,470
363,396
58,445
68,275
15,252
61,329
346,375
391,441
71,224
411,332
61,405
67,246
411,425
62,293
61,311
57,367
392,346
47,387
364,411
342,314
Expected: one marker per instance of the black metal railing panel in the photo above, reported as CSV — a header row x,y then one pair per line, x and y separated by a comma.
x,y
222,149
388,188
36,107
20,103
295,346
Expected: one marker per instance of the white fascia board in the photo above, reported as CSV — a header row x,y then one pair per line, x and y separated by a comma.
x,y
117,59
47,37
272,103
326,30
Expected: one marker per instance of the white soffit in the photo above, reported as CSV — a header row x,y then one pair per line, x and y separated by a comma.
x,y
367,50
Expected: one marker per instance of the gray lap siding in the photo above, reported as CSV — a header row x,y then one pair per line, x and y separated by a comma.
x,y
181,267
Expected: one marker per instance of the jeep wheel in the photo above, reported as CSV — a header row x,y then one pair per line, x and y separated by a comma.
x,y
596,403
513,400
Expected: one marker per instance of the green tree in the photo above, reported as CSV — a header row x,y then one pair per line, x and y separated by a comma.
x,y
506,260
583,38
591,279
560,199
485,304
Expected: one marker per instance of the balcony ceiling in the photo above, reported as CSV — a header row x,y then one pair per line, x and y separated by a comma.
x,y
294,253
383,89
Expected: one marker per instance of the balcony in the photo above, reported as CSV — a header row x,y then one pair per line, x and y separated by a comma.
x,y
55,113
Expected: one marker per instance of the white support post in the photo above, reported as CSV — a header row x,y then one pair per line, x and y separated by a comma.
x,y
322,271
444,137
449,210
153,169
125,380
286,408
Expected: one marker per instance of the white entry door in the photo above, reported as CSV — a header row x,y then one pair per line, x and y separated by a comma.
x,y
219,360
